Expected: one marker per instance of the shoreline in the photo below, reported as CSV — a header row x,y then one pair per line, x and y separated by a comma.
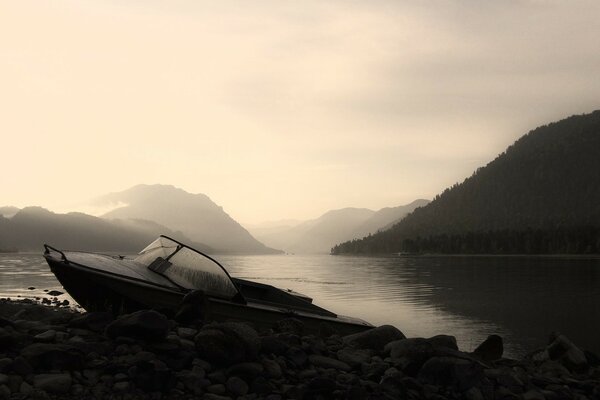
x,y
50,352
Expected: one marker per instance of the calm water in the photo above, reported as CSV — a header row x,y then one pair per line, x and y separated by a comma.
x,y
522,299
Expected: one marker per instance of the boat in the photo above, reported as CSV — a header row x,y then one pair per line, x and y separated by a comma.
x,y
168,274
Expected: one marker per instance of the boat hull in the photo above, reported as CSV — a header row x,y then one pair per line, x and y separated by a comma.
x,y
97,290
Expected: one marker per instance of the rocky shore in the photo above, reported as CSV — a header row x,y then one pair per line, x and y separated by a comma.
x,y
55,353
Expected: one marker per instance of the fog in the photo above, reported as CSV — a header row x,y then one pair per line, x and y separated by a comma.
x,y
280,109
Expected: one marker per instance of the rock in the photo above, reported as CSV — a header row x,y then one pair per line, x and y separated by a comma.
x,y
290,325
55,293
374,339
53,356
272,368
237,386
121,386
446,341
7,339
186,333
327,362
533,395
4,364
297,356
53,383
152,376
3,379
45,337
227,343
21,366
490,349
246,370
31,288
273,345
212,396
320,386
451,372
4,392
354,357
393,386
25,389
218,388
144,324
93,321
563,350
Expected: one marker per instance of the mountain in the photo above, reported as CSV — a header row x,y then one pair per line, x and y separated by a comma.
x,y
386,217
8,211
195,215
31,227
542,195
320,234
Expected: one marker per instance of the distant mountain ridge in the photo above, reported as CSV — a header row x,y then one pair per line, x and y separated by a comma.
x,y
541,195
31,227
195,215
320,234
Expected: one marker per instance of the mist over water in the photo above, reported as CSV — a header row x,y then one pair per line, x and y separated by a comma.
x,y
522,299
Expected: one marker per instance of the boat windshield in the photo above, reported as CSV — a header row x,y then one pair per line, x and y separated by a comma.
x,y
187,268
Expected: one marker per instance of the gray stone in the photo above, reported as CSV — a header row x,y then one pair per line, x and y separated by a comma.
x,y
328,362
354,357
25,389
93,321
563,350
46,337
218,388
186,333
53,356
491,349
227,343
272,368
451,372
121,386
247,370
533,395
376,338
21,366
290,325
4,392
53,383
5,363
143,324
237,386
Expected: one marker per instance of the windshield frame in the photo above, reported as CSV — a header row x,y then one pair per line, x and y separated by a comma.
x,y
180,246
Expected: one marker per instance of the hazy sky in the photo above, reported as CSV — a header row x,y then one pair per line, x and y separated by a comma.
x,y
280,109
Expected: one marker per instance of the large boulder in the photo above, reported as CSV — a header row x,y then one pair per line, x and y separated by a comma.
x,y
53,383
412,353
53,356
94,321
374,339
144,324
227,343
491,349
564,351
461,374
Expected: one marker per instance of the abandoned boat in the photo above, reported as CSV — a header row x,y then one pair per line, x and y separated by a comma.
x,y
167,273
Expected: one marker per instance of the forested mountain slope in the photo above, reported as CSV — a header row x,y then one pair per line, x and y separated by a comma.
x,y
542,195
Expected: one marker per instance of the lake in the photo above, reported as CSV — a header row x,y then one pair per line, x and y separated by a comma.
x,y
523,299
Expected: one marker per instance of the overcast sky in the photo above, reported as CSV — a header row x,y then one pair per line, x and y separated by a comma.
x,y
280,109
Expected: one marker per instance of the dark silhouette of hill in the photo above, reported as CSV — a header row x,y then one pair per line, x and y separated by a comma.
x,y
318,235
195,215
31,227
542,195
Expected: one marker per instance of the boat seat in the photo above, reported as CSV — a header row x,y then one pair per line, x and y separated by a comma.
x,y
159,265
